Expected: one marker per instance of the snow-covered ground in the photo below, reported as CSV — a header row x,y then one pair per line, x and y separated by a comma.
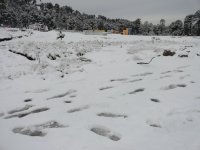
x,y
87,92
13,32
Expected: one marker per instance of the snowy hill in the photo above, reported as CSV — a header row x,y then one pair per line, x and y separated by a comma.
x,y
89,92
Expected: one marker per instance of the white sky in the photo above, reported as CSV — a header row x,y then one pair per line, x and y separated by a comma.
x,y
150,10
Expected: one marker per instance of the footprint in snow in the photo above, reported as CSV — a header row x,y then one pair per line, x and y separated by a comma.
x,y
178,71
21,115
27,100
29,132
37,130
20,109
78,109
136,80
173,86
137,91
68,102
181,85
62,95
166,76
169,87
153,124
155,100
73,96
105,88
143,74
175,71
111,115
121,79
103,131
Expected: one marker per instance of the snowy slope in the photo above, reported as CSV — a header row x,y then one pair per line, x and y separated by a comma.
x,y
95,96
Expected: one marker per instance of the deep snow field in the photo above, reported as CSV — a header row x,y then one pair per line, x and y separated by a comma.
x,y
87,92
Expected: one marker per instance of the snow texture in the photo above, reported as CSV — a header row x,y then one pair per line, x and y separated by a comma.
x,y
89,92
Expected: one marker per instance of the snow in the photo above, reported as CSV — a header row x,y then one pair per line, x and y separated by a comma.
x,y
100,104
12,32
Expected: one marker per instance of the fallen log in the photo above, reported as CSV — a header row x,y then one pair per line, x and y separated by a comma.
x,y
5,39
144,63
22,54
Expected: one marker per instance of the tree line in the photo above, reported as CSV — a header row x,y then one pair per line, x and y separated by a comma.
x,y
22,13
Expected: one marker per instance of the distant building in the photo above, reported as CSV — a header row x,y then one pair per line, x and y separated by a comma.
x,y
95,32
127,31
115,31
38,27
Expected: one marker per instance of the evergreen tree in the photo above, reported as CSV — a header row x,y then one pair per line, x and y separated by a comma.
x,y
176,28
188,25
147,28
196,24
162,26
138,26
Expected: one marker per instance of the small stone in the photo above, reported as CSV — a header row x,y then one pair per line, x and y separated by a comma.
x,y
168,53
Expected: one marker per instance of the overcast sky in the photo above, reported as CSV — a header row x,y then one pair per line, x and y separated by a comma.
x,y
150,10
